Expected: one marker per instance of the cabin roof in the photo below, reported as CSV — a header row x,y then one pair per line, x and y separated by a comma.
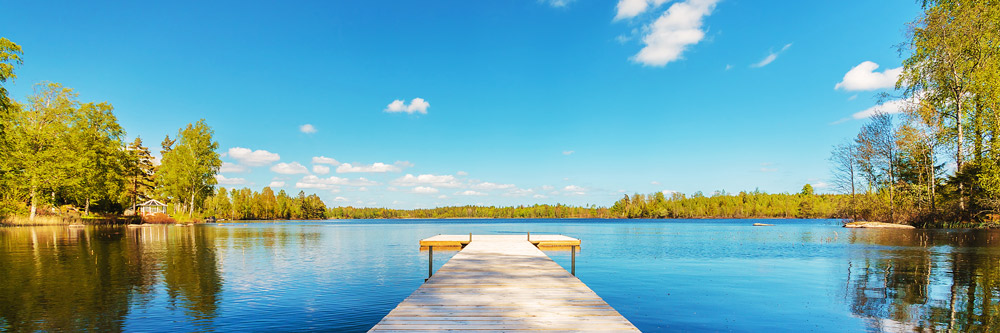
x,y
152,202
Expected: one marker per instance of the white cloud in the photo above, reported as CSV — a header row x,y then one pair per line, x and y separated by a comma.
x,y
447,181
312,181
276,183
253,157
425,190
820,185
289,168
864,77
375,167
341,199
517,192
491,186
668,193
654,183
462,173
442,196
670,35
771,57
320,169
471,193
418,105
547,187
889,107
222,180
573,189
568,152
307,129
539,196
728,67
632,8
324,160
232,167
768,169
557,3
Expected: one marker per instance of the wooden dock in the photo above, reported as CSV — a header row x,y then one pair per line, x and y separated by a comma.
x,y
502,283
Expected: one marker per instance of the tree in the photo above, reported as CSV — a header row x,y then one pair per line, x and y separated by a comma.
x,y
38,146
139,172
807,189
10,55
844,159
99,148
187,173
952,69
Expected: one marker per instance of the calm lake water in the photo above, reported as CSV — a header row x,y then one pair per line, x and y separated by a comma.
x,y
688,275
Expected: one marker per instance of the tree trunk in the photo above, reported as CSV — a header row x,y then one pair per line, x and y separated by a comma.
x,y
86,210
958,152
33,201
191,210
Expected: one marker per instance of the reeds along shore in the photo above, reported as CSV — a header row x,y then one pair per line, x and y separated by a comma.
x,y
60,220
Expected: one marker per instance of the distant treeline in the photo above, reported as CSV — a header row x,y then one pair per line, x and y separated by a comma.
x,y
557,211
754,204
245,204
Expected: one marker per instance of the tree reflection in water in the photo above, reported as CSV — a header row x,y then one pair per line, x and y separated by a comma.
x,y
925,280
59,279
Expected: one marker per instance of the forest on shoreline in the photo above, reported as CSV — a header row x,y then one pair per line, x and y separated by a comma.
x,y
930,156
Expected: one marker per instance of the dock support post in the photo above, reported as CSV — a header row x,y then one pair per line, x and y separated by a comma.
x,y
529,236
572,249
430,262
470,238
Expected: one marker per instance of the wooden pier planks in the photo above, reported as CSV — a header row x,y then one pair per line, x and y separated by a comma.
x,y
503,283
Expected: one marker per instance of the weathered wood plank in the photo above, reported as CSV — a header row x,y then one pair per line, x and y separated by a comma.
x,y
503,283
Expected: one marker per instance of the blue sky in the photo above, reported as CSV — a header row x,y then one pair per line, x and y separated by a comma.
x,y
427,103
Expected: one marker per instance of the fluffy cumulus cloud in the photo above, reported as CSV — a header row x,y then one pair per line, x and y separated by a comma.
x,y
276,183
425,190
289,168
340,199
573,189
864,77
324,160
307,129
632,8
222,180
771,57
670,35
417,105
332,182
492,186
250,157
321,169
889,107
232,167
471,193
446,181
377,167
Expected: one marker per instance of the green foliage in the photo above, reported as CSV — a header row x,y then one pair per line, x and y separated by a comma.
x,y
743,205
139,171
10,55
807,189
187,173
245,204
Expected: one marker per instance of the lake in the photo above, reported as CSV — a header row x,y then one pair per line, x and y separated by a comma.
x,y
687,275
